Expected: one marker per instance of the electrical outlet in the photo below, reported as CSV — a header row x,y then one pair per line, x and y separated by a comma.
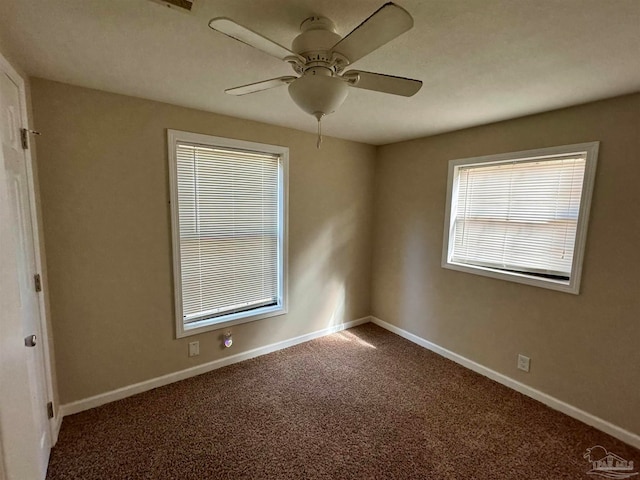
x,y
194,349
523,362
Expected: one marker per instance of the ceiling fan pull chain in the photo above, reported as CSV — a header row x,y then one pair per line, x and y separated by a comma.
x,y
319,142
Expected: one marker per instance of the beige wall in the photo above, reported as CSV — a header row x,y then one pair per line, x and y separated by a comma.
x,y
584,349
105,192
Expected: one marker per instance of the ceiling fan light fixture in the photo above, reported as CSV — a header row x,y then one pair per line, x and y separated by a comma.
x,y
318,94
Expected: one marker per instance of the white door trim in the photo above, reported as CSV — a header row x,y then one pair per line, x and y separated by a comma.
x,y
47,354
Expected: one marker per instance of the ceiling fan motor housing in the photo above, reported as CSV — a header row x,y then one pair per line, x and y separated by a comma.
x,y
315,42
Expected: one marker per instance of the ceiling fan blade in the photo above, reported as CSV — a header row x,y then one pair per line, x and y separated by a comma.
x,y
259,86
386,23
406,87
251,38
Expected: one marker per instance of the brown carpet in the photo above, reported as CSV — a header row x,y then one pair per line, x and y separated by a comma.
x,y
360,404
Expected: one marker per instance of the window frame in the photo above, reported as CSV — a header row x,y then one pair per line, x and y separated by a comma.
x,y
573,284
228,320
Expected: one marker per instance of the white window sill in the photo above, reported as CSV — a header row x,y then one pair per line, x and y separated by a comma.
x,y
226,321
560,285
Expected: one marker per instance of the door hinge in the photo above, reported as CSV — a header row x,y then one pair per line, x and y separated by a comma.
x,y
50,409
24,137
37,282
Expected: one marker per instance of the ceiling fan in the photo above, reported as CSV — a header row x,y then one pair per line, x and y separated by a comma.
x,y
319,56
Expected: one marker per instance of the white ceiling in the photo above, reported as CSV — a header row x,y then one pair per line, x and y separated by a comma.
x,y
481,61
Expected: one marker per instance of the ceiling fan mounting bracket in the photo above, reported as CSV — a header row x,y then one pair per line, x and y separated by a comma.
x,y
316,22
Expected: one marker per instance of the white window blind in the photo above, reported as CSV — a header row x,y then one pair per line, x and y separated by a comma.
x,y
519,216
228,208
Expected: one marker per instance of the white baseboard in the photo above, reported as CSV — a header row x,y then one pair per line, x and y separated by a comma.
x,y
124,392
128,391
574,412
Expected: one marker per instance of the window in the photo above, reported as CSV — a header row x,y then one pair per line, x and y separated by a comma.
x,y
228,206
521,216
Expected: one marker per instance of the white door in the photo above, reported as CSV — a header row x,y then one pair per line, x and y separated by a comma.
x,y
24,428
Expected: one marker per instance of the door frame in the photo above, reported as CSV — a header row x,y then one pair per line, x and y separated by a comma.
x,y
47,352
